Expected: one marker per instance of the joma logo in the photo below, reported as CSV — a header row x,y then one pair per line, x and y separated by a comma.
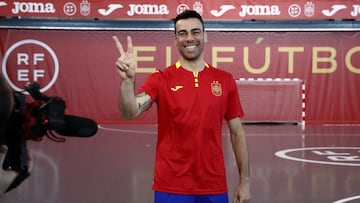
x,y
148,9
32,7
259,10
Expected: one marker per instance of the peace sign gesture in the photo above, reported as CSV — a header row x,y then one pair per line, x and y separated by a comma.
x,y
125,64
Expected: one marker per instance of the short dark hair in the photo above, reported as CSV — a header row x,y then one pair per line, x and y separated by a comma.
x,y
186,15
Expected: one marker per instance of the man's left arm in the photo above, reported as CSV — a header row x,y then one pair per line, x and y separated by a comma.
x,y
239,145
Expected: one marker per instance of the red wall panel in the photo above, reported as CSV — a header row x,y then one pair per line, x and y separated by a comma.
x,y
79,66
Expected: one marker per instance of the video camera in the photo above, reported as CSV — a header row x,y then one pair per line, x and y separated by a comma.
x,y
32,121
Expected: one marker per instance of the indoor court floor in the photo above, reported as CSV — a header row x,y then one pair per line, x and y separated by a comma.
x,y
289,164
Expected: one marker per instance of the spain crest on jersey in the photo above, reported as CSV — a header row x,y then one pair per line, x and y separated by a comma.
x,y
216,88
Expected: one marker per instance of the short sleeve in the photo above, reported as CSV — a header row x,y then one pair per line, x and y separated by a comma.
x,y
151,84
234,108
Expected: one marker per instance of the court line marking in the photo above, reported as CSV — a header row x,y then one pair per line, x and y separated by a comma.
x,y
282,154
155,132
126,131
225,133
347,199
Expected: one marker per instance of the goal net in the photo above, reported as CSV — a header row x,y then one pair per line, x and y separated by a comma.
x,y
272,100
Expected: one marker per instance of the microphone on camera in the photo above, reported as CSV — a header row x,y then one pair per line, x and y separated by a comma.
x,y
76,126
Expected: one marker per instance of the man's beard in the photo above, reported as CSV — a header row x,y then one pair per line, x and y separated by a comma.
x,y
191,56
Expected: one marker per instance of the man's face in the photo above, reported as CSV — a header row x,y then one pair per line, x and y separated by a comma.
x,y
190,38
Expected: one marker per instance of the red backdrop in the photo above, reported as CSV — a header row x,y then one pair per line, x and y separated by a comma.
x,y
79,66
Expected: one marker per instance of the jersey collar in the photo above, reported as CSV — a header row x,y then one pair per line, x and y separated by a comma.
x,y
178,64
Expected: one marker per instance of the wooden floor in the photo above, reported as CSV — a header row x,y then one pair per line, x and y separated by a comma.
x,y
289,163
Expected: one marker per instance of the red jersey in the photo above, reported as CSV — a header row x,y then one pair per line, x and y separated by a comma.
x,y
191,110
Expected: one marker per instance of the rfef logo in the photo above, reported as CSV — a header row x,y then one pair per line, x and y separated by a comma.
x,y
30,60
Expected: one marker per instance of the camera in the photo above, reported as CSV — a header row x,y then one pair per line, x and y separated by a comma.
x,y
45,116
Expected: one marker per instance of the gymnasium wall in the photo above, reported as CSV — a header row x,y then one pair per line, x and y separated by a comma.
x,y
79,66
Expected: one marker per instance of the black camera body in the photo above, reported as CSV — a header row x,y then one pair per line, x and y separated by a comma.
x,y
33,121
30,121
14,137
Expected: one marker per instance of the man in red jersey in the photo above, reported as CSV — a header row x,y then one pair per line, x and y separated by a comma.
x,y
193,98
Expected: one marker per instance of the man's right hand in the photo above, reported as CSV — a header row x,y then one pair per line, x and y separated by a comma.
x,y
125,64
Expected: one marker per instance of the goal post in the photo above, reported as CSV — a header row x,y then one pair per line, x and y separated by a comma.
x,y
272,100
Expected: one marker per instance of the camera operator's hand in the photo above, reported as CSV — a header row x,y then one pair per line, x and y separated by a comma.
x,y
7,177
125,64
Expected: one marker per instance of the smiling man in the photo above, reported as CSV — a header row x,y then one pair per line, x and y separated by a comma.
x,y
193,98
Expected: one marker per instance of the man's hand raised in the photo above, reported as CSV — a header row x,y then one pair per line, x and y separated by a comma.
x,y
125,64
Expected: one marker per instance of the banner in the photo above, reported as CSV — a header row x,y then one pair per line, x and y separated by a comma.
x,y
80,66
232,10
